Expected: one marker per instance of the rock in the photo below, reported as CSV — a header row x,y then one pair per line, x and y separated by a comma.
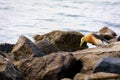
x,y
97,76
50,67
108,64
113,40
107,33
8,71
6,47
2,54
64,40
46,47
90,57
66,79
11,57
118,38
25,48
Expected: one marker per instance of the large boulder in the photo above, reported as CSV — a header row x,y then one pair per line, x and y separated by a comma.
x,y
90,57
8,71
64,40
107,33
97,76
109,65
50,67
46,47
25,48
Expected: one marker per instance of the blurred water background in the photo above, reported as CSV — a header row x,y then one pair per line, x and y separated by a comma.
x,y
29,17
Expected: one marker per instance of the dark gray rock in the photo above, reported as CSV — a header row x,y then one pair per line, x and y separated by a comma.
x,y
46,47
110,65
6,47
64,40
8,71
25,48
107,33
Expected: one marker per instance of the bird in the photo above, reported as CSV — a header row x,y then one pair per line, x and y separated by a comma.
x,y
94,39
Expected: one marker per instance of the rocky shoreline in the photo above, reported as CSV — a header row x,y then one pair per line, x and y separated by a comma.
x,y
58,56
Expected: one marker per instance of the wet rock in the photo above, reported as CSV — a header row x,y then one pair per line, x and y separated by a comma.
x,y
25,48
46,47
110,65
90,57
107,33
6,47
64,40
8,71
97,76
50,67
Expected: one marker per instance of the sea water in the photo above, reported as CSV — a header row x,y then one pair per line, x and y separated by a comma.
x,y
30,17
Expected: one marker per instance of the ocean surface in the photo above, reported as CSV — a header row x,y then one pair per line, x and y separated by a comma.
x,y
30,17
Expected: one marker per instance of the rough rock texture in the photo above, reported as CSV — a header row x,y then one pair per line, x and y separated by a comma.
x,y
108,64
64,40
46,47
107,33
6,47
8,71
89,57
2,54
10,56
79,65
97,76
51,67
24,48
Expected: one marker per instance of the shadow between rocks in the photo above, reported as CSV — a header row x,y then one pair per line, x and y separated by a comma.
x,y
73,69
